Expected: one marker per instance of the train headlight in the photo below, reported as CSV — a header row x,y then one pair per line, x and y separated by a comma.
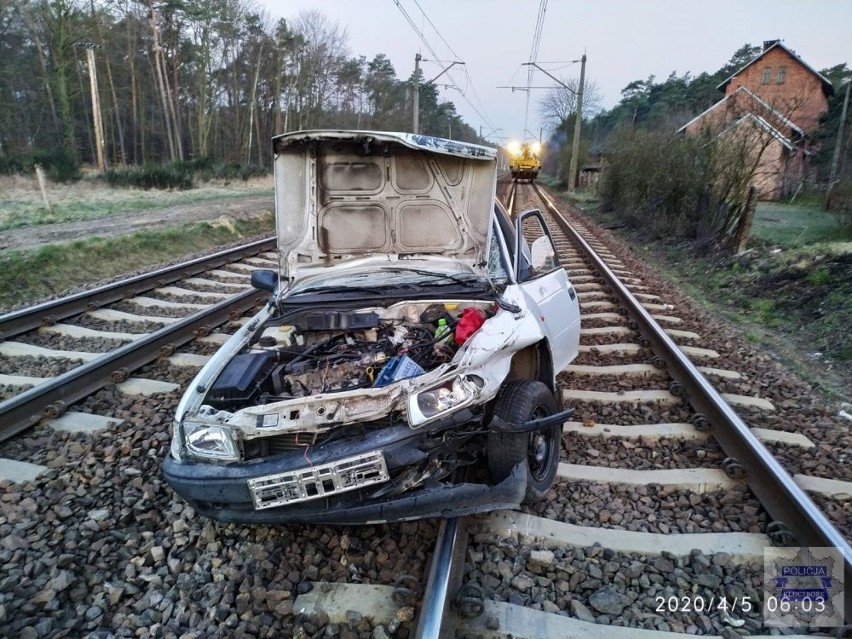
x,y
513,148
536,147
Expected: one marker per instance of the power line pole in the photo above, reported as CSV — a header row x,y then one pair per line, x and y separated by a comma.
x,y
417,60
415,128
572,170
575,151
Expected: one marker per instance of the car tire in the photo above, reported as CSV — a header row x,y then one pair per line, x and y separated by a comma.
x,y
519,402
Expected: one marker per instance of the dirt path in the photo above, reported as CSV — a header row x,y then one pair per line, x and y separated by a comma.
x,y
118,224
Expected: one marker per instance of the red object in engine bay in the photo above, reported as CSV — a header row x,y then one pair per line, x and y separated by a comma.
x,y
470,321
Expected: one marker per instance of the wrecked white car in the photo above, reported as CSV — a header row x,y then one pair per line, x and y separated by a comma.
x,y
405,363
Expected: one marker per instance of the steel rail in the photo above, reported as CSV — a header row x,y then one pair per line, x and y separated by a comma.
x,y
510,204
51,398
444,577
784,500
50,312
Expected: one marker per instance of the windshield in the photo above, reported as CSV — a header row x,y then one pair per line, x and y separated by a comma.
x,y
379,279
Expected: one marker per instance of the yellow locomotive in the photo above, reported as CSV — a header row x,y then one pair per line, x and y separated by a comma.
x,y
524,159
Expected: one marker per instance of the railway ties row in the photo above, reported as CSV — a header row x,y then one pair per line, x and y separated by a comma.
x,y
597,300
92,537
44,357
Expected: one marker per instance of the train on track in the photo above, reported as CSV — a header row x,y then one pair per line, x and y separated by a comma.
x,y
524,159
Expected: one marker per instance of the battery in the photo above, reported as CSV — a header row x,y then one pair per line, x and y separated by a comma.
x,y
396,369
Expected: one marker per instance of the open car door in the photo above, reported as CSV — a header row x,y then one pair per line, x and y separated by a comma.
x,y
546,286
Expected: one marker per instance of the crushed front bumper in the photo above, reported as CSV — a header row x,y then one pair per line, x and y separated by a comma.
x,y
224,493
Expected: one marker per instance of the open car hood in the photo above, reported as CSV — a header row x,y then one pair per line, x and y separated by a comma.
x,y
345,195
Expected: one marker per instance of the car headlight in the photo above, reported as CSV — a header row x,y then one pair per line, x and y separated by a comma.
x,y
210,442
449,396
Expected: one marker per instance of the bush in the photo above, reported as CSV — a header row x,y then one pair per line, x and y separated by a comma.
x,y
10,165
686,187
179,175
58,165
839,200
152,176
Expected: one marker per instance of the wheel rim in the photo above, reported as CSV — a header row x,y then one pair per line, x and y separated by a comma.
x,y
540,447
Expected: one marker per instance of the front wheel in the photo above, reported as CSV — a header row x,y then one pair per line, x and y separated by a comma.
x,y
520,402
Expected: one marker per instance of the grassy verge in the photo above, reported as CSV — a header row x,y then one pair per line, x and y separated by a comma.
x,y
796,225
34,275
791,293
21,203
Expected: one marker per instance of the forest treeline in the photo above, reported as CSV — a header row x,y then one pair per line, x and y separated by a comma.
x,y
187,82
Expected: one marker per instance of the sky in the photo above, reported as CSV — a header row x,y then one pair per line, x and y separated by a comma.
x,y
624,40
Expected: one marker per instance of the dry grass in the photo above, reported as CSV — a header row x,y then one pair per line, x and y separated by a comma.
x,y
21,202
60,268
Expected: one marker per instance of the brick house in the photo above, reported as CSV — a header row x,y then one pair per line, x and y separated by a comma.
x,y
775,102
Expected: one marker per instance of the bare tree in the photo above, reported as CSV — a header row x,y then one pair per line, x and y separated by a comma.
x,y
559,104
324,52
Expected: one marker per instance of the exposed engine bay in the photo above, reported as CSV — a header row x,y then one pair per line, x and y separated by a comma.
x,y
327,351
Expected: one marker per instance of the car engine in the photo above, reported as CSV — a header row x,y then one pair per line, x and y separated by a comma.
x,y
315,352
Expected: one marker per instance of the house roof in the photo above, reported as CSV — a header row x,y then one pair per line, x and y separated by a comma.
x,y
827,87
763,124
781,117
703,113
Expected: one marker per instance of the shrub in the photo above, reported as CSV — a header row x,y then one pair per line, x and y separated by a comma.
x,y
820,275
839,200
179,175
686,187
152,176
11,165
58,165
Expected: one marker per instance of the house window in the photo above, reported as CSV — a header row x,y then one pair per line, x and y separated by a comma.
x,y
782,73
767,75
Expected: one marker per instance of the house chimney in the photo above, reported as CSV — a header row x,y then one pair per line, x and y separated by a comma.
x,y
769,43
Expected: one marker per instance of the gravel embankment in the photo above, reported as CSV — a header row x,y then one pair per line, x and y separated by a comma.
x,y
601,586
100,543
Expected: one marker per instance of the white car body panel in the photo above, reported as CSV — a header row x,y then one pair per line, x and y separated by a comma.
x,y
458,180
333,205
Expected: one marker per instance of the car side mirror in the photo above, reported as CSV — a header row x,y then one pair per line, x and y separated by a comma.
x,y
264,279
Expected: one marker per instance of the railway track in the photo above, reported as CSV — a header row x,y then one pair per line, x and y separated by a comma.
x,y
645,508
657,448
101,335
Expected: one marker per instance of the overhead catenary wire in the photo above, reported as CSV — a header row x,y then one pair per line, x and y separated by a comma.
x,y
480,110
539,26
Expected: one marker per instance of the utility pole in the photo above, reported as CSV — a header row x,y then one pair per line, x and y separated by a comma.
x,y
96,106
415,128
838,146
575,151
572,171
417,60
